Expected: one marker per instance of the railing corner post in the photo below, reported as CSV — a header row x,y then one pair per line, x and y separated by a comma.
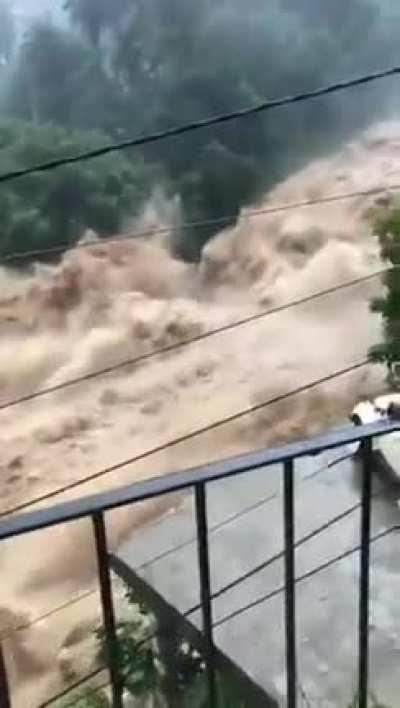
x,y
290,597
5,700
205,589
363,632
108,608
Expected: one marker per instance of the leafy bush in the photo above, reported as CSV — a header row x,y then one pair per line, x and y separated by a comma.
x,y
88,698
387,229
154,664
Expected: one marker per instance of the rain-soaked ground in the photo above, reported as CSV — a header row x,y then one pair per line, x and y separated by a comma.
x,y
327,602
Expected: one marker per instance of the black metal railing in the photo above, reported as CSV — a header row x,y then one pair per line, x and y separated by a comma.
x,y
197,479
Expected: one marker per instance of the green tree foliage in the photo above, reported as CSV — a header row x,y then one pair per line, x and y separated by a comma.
x,y
148,666
173,62
88,698
160,666
387,228
130,67
52,208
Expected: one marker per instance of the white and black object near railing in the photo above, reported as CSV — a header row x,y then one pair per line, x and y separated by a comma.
x,y
197,479
387,449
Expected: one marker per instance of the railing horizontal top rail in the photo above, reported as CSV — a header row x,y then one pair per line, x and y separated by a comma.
x,y
179,481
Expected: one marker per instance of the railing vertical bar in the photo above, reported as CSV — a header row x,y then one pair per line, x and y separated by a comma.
x,y
290,598
205,589
108,607
5,701
363,636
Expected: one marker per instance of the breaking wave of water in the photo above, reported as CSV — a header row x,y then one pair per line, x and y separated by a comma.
x,y
107,302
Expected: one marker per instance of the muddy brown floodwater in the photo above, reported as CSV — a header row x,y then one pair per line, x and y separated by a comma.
x,y
108,302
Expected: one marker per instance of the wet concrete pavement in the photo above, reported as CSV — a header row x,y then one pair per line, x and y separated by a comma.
x,y
327,603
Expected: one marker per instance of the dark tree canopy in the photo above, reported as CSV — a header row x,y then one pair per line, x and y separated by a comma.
x,y
129,67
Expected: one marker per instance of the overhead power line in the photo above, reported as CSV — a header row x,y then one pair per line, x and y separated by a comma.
x,y
224,589
212,529
77,684
188,436
301,578
161,556
193,225
246,576
65,605
174,549
305,539
59,608
242,512
186,342
92,691
201,124
46,615
273,593
245,608
278,556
